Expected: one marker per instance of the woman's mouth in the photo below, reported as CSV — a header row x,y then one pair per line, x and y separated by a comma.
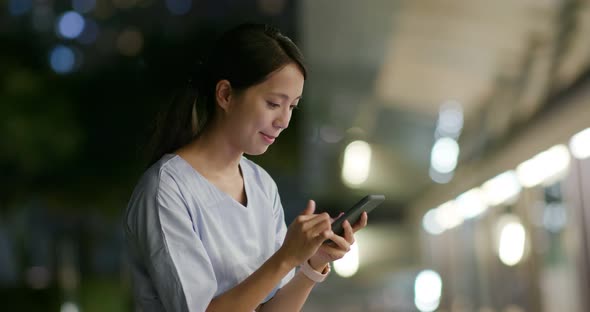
x,y
269,139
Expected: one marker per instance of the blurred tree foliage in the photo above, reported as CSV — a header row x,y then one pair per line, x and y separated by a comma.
x,y
77,141
72,140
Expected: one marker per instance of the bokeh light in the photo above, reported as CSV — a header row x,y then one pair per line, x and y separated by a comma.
x,y
501,189
580,144
427,291
439,177
448,216
471,203
348,265
430,223
545,167
450,120
62,59
70,25
511,241
357,163
444,155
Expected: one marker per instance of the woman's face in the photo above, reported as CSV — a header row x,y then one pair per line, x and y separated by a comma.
x,y
257,116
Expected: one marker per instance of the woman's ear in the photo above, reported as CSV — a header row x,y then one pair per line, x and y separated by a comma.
x,y
223,93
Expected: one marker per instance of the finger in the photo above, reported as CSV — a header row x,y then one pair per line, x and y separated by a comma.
x,y
348,232
340,243
362,222
322,236
307,213
333,251
310,208
314,220
321,225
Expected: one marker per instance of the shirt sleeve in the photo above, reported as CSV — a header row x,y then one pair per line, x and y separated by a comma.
x,y
172,251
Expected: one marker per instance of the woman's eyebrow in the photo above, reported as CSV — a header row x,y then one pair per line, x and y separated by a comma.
x,y
284,96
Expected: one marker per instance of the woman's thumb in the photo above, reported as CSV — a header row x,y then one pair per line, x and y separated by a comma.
x,y
310,208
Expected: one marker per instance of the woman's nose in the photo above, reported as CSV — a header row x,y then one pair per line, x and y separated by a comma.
x,y
282,120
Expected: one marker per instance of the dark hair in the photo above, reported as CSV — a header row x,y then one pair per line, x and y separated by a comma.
x,y
245,56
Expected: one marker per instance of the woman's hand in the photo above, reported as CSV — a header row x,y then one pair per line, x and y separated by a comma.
x,y
306,234
339,246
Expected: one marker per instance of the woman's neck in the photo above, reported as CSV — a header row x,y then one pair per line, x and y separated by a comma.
x,y
212,153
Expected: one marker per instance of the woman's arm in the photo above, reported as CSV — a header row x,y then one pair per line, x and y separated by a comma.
x,y
293,295
304,236
249,293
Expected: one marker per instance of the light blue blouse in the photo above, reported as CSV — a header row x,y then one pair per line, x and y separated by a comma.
x,y
190,242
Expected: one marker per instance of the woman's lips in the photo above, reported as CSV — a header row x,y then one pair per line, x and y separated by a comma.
x,y
269,139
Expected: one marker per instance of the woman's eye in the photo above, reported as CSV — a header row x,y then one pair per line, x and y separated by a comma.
x,y
273,105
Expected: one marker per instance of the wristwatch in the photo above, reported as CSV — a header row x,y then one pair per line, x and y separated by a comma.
x,y
312,274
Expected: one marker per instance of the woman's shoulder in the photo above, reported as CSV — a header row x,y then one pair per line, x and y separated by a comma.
x,y
160,174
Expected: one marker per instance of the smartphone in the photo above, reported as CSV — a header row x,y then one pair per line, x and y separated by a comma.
x,y
353,214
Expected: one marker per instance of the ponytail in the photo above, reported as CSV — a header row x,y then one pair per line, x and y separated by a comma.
x,y
187,114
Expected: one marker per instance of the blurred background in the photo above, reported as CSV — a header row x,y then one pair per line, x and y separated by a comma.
x,y
472,117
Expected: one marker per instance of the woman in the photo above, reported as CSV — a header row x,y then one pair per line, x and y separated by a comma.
x,y
205,226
